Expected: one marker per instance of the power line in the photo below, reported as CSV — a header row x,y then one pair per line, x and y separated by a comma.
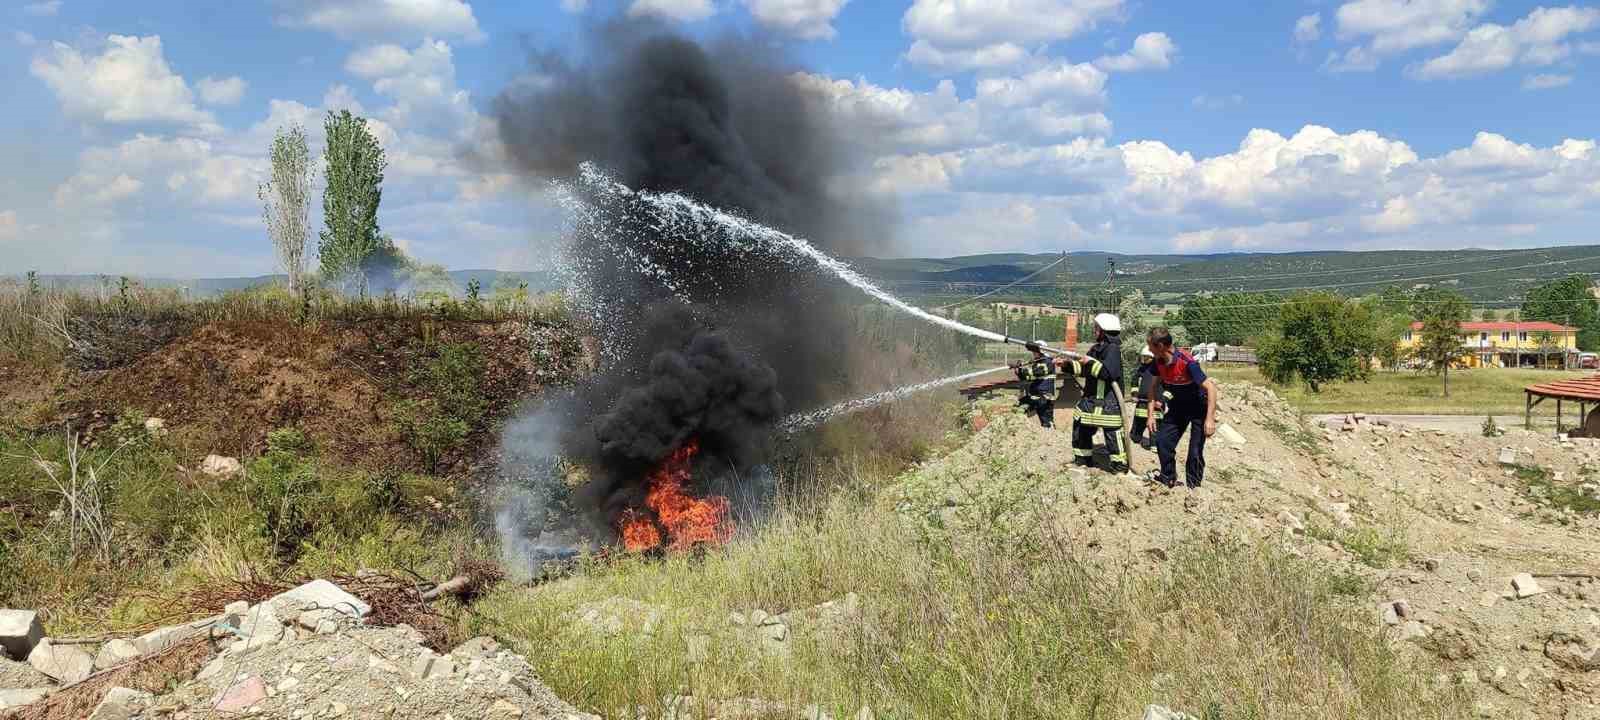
x,y
975,298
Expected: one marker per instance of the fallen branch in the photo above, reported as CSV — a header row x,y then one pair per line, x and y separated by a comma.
x,y
455,586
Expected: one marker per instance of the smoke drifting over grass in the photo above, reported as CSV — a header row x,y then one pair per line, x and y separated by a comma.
x,y
698,340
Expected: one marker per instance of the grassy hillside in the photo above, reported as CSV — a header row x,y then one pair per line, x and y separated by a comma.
x,y
1483,275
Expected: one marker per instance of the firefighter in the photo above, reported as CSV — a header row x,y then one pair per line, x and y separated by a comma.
x,y
1189,402
1100,408
1038,376
1143,408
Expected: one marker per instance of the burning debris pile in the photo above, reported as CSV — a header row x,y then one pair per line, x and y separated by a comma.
x,y
702,350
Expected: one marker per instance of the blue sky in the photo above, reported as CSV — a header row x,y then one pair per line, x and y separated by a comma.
x,y
137,131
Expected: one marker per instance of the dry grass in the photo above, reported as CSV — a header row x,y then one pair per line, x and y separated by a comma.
x,y
150,673
45,326
976,627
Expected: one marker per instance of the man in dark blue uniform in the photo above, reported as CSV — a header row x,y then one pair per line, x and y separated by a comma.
x,y
1188,400
1038,376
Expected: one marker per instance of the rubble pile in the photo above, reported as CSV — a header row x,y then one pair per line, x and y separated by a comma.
x,y
306,653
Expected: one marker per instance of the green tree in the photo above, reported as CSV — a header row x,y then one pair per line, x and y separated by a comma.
x,y
355,164
1442,312
1567,301
286,201
1320,338
1228,318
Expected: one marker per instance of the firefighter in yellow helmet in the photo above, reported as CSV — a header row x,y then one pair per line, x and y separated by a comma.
x,y
1100,409
1143,408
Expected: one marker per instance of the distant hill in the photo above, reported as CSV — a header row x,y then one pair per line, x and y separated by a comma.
x,y
1491,276
1501,276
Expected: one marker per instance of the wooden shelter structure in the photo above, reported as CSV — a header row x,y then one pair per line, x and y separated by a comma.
x,y
1584,391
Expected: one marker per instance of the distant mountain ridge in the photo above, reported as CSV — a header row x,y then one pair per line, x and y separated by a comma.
x,y
1483,275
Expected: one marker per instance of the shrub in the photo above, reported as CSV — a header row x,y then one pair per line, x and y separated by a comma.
x,y
452,404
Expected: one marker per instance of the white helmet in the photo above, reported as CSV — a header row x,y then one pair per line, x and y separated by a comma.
x,y
1146,352
1108,323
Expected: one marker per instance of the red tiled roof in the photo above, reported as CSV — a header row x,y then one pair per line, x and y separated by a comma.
x,y
1502,326
1577,389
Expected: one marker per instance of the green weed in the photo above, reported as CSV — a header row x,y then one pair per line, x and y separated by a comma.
x,y
1540,485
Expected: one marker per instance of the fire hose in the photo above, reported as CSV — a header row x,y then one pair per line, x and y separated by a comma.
x,y
1116,386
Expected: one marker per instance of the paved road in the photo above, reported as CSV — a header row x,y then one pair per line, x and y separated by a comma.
x,y
1467,424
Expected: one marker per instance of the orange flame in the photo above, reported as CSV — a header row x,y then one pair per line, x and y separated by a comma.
x,y
674,517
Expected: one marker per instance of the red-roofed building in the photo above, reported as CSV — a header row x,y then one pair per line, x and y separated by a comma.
x,y
1509,343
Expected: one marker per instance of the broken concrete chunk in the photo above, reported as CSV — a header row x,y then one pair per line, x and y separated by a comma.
x,y
163,638
221,466
115,652
1508,456
20,630
1161,712
1230,435
121,703
64,663
321,594
1526,586
17,698
241,695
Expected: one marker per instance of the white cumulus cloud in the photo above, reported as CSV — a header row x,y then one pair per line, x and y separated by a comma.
x,y
805,19
221,91
1538,39
1386,27
128,82
679,10
400,18
1150,51
966,34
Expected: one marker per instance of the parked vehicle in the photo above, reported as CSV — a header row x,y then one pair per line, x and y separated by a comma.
x,y
1589,361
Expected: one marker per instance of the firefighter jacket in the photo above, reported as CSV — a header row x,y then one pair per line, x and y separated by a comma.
x,y
1145,380
1038,378
1100,406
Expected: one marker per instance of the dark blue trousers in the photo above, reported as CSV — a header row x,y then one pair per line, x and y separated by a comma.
x,y
1169,431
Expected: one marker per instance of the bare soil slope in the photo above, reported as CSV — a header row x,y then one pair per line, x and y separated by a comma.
x,y
1431,519
224,386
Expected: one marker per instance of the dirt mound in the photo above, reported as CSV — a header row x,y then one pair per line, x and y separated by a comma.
x,y
1433,519
224,386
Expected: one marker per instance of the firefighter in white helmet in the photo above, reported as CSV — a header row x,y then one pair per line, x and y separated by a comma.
x,y
1100,409
1143,409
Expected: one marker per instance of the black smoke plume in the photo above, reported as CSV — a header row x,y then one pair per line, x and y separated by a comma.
x,y
738,342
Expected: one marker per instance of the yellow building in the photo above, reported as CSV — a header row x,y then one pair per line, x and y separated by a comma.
x,y
1510,344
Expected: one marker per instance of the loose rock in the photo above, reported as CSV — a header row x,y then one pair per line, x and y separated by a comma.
x,y
115,652
64,663
1573,652
20,697
20,631
221,466
1525,586
121,703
